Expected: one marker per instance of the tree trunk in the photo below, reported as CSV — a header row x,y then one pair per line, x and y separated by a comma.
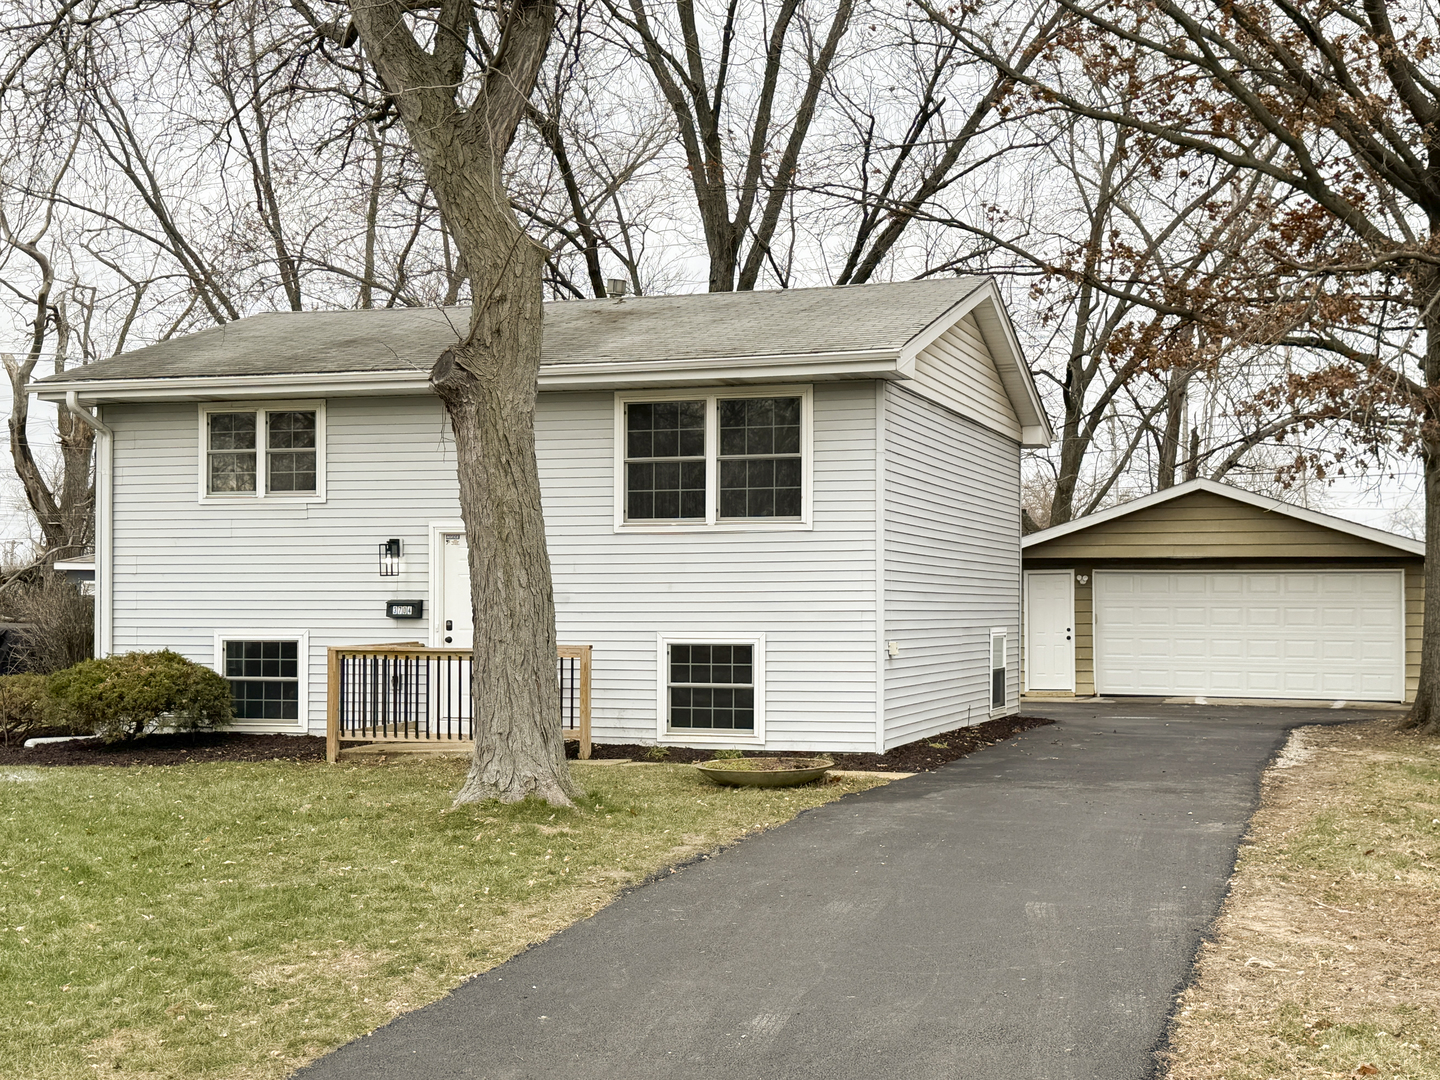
x,y
488,385
1072,453
488,380
1174,433
1425,713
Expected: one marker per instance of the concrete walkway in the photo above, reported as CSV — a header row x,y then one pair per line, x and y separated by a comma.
x,y
1025,913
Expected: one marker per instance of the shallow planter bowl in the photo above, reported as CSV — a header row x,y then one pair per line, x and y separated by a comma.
x,y
765,772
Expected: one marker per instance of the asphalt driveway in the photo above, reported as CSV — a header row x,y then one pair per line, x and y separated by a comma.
x,y
1027,913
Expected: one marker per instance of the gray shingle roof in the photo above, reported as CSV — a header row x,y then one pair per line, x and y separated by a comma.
x,y
794,322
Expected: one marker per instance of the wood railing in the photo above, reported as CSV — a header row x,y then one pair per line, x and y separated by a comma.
x,y
407,693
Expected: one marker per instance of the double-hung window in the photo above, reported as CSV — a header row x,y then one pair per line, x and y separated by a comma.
x,y
266,675
276,451
738,459
712,687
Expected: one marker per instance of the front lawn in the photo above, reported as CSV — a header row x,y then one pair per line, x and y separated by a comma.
x,y
1324,961
236,920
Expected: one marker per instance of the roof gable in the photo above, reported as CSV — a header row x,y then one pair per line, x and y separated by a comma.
x,y
1204,519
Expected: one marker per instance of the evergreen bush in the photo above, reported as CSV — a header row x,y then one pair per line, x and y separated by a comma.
x,y
24,706
126,697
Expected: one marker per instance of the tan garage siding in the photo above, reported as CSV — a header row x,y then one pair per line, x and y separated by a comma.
x,y
1084,633
1203,525
1414,620
1206,530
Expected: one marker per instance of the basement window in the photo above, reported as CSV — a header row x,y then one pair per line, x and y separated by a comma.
x,y
264,676
997,670
712,688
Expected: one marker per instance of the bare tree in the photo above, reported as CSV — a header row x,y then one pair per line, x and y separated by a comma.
x,y
697,69
1346,270
461,77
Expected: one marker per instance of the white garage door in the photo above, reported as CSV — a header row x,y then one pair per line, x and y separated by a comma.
x,y
1323,634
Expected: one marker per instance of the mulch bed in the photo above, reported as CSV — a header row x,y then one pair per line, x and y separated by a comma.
x,y
171,750
919,756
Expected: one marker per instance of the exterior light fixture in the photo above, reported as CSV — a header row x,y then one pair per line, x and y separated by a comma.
x,y
390,558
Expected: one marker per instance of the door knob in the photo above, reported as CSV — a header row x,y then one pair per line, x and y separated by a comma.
x,y
448,640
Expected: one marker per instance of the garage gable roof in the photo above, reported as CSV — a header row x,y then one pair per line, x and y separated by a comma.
x,y
1260,502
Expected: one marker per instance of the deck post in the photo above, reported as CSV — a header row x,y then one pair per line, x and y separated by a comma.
x,y
332,705
585,702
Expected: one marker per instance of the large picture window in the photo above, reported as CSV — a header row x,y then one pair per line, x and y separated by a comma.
x,y
727,459
260,452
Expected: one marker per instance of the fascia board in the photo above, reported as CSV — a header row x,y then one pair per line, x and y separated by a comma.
x,y
873,364
1035,427
221,387
1260,502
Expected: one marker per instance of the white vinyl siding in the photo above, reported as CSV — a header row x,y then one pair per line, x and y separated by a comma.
x,y
810,593
952,565
185,571
957,371
264,568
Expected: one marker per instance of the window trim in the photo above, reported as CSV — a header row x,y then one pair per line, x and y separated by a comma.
x,y
663,735
1003,633
260,495
302,652
711,395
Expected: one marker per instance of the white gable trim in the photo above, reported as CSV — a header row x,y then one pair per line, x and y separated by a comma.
x,y
986,305
1261,502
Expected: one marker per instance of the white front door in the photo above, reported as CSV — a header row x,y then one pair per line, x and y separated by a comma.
x,y
1049,630
456,616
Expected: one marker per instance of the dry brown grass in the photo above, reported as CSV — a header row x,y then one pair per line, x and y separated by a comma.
x,y
1326,958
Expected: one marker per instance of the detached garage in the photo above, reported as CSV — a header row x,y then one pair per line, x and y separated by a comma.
x,y
1207,590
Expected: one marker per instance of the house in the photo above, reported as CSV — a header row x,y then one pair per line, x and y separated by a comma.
x,y
1207,590
787,520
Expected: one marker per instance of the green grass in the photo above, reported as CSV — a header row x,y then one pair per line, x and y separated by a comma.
x,y
237,920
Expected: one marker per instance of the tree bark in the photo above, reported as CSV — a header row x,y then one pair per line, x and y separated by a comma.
x,y
488,380
1425,713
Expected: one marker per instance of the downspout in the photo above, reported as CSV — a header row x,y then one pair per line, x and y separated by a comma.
x,y
104,522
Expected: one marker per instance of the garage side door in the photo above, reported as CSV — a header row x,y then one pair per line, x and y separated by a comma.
x,y
1323,634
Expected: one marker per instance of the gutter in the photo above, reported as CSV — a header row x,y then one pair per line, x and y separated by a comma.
x,y
104,521
603,375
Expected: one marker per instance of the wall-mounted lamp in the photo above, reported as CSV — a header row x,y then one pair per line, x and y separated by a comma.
x,y
390,558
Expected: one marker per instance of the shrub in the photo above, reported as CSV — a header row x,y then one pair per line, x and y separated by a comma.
x,y
24,706
125,697
60,623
